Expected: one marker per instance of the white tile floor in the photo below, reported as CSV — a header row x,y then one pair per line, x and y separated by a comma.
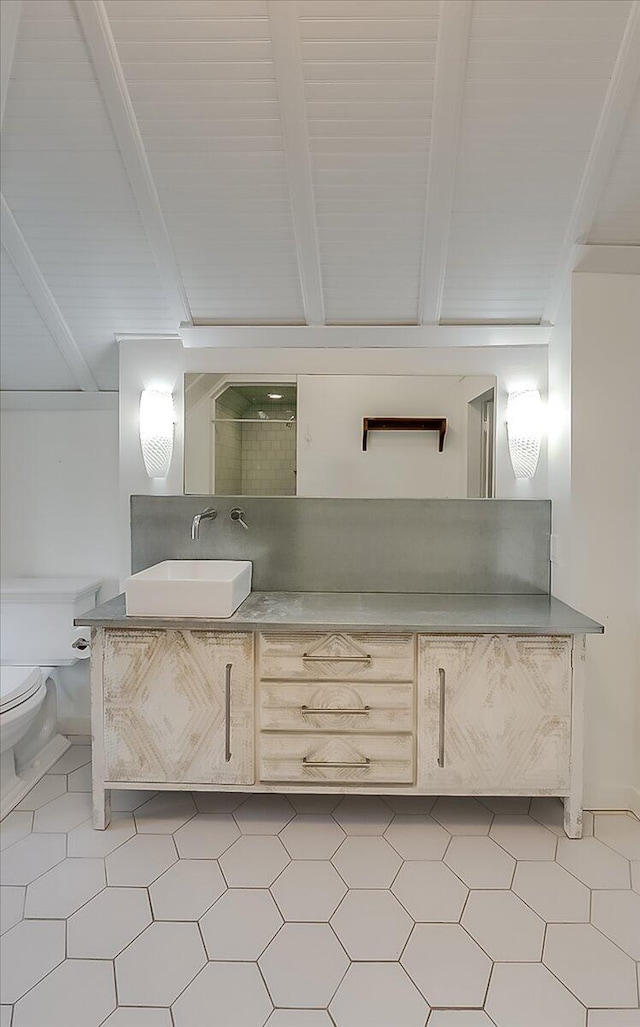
x,y
233,911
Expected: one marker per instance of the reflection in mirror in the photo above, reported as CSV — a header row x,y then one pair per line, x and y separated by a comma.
x,y
242,438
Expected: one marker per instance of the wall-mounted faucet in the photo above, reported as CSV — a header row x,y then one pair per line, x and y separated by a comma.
x,y
237,515
207,515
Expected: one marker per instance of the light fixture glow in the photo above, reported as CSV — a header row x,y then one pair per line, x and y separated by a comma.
x,y
156,426
274,395
524,431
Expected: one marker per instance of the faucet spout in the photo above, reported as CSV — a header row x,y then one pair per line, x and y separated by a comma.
x,y
206,515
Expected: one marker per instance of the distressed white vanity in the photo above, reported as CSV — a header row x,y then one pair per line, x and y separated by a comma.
x,y
402,693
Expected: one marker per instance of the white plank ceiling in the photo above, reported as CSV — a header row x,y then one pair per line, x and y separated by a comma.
x,y
303,161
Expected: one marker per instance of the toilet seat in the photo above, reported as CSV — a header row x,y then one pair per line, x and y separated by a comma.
x,y
18,685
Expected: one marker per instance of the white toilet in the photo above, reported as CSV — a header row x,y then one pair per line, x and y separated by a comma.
x,y
36,637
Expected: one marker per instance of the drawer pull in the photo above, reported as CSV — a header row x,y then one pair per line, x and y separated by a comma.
x,y
360,711
338,659
366,762
227,712
442,676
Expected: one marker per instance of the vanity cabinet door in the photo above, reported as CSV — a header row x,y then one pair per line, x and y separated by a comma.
x,y
178,706
494,713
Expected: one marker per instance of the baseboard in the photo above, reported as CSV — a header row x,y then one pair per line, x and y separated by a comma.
x,y
611,797
74,725
635,801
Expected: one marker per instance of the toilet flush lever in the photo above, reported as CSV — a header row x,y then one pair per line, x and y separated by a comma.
x,y
237,515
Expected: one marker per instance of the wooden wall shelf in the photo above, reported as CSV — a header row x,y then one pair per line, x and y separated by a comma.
x,y
438,424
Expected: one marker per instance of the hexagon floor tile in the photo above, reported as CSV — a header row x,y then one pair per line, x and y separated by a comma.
x,y
78,993
527,995
187,889
372,925
140,860
30,950
593,863
461,815
378,995
254,861
303,966
235,990
241,924
310,836
11,906
264,814
552,892
446,965
308,890
617,915
363,814
32,856
523,838
594,969
159,964
417,837
430,892
367,861
14,827
503,926
621,833
358,911
480,862
206,836
107,924
65,888
165,813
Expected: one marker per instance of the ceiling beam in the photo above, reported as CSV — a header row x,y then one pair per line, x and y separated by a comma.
x,y
361,336
287,60
9,25
33,280
611,124
454,29
106,62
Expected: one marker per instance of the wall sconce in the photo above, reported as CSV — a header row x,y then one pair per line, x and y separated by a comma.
x,y
524,431
156,426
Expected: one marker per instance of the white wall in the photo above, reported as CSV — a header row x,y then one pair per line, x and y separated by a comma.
x,y
59,513
597,515
330,457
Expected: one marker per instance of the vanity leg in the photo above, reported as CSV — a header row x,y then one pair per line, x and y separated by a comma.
x,y
573,816
573,801
101,807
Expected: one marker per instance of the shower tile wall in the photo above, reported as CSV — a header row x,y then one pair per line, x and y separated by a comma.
x,y
229,444
253,458
269,455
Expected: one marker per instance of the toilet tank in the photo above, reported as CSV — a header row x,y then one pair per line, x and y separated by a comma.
x,y
36,618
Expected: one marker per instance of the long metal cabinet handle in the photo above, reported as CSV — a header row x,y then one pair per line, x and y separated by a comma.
x,y
336,763
338,659
227,712
442,676
359,711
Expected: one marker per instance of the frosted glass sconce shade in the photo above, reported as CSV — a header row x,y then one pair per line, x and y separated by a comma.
x,y
524,431
157,421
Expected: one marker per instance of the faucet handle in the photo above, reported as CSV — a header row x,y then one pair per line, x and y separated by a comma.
x,y
237,515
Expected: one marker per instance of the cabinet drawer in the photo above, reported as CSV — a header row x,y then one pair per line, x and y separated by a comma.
x,y
360,759
336,706
336,657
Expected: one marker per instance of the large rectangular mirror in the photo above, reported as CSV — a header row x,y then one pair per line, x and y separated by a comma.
x,y
358,436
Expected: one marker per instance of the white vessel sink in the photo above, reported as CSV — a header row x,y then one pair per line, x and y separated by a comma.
x,y
189,588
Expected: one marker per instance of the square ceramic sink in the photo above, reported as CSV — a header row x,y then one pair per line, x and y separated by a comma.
x,y
188,588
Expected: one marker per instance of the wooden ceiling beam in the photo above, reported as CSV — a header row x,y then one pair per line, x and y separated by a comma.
x,y
106,62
